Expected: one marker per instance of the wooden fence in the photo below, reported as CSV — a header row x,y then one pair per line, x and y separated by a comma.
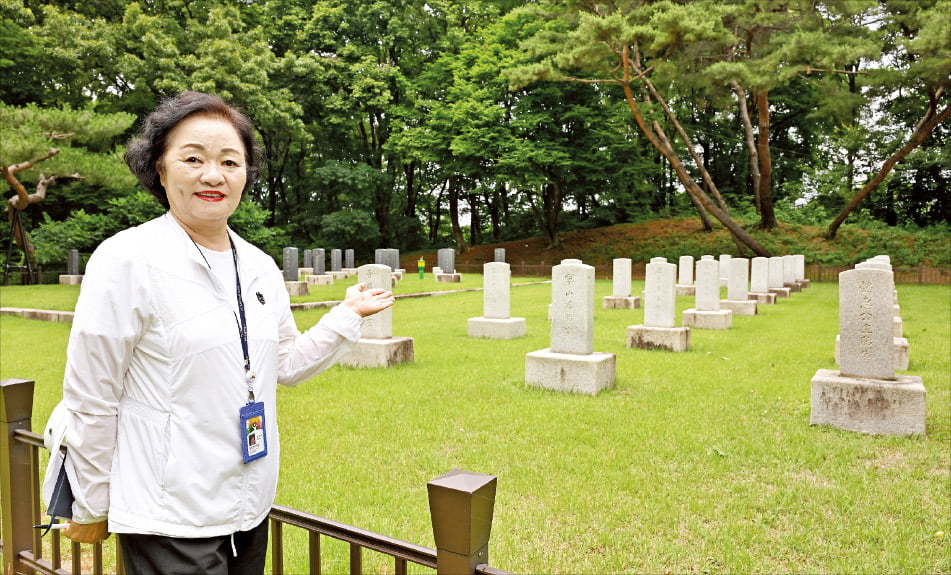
x,y
461,506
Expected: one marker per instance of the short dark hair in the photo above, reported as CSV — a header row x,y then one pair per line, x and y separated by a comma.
x,y
146,148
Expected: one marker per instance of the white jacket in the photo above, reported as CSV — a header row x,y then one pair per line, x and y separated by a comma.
x,y
155,378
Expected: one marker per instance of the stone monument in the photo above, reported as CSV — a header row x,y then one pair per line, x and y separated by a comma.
x,y
570,364
495,322
72,276
320,277
774,277
865,395
292,282
685,285
378,347
446,258
738,289
706,313
621,297
659,330
759,282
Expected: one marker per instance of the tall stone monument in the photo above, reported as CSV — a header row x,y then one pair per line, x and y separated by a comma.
x,y
378,347
774,278
738,289
72,276
446,258
320,277
759,282
291,271
706,313
570,364
621,297
685,285
495,322
659,330
865,395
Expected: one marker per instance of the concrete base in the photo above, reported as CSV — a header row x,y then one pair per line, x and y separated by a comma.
x,y
305,271
803,284
621,302
319,280
397,274
587,374
874,406
68,280
762,298
297,288
740,307
492,328
649,337
792,287
448,278
686,290
899,352
340,275
349,271
719,319
780,292
380,352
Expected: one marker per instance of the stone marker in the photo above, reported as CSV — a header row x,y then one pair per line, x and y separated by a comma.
x,y
309,259
320,277
801,271
706,313
900,348
336,263
774,277
446,258
320,261
620,297
72,276
789,273
570,364
865,395
738,289
659,330
759,284
724,269
378,347
495,322
291,272
685,285
348,259
499,254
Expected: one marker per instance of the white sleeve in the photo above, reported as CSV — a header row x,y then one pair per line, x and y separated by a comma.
x,y
109,318
304,355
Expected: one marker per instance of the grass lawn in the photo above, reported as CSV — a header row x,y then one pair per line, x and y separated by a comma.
x,y
696,462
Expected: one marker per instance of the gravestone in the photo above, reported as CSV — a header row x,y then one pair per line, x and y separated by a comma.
x,y
499,254
292,282
738,289
685,286
495,322
348,259
309,259
320,277
570,364
866,395
789,273
446,258
620,297
759,284
72,276
336,265
774,277
724,269
706,313
659,330
377,347
801,271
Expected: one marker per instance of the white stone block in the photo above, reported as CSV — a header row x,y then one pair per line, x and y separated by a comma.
x,y
762,298
586,374
899,353
873,406
448,278
319,280
614,302
70,280
297,288
701,319
495,328
650,337
685,290
740,307
379,352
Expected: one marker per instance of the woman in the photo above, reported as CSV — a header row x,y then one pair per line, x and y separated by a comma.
x,y
181,334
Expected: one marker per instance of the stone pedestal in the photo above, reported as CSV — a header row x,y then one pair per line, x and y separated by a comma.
x,y
349,271
380,352
448,278
896,324
616,302
649,337
297,288
803,284
340,275
319,280
70,280
508,328
874,406
587,374
685,290
740,307
305,271
899,352
780,292
715,319
793,287
763,298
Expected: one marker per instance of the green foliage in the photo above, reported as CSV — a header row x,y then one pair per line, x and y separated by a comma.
x,y
349,229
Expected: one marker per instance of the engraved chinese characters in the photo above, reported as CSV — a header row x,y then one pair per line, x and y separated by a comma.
x,y
865,323
572,323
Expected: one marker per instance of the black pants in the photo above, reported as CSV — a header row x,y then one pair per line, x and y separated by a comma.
x,y
158,555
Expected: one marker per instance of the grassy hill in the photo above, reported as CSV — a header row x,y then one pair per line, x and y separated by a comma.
x,y
672,238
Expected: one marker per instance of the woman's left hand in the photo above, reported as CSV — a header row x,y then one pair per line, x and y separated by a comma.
x,y
366,302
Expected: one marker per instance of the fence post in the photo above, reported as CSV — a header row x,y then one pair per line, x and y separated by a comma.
x,y
16,480
461,504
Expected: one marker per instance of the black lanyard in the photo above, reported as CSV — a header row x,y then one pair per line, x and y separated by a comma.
x,y
242,325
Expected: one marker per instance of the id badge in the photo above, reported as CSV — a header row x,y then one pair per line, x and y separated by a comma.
x,y
253,435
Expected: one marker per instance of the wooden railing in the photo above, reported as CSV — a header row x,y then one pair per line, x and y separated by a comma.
x,y
461,506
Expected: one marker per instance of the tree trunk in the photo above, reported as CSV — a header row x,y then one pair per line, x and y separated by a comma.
x,y
922,130
457,234
767,214
750,140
